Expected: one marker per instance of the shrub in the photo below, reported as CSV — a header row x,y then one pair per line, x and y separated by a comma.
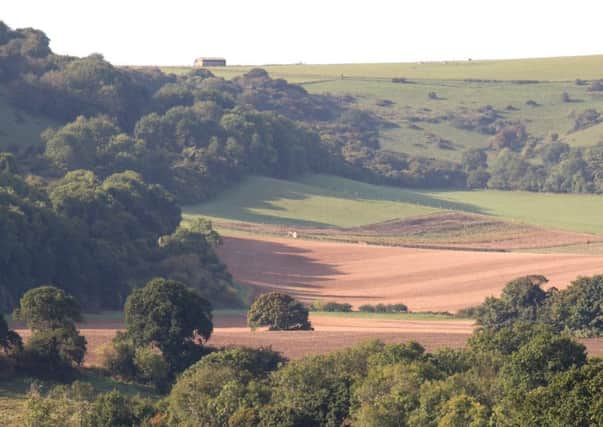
x,y
10,341
118,359
151,368
586,119
596,86
53,354
115,409
279,312
330,306
398,308
383,308
367,308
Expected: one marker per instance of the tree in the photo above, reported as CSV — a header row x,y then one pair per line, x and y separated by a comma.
x,y
221,386
579,308
522,299
171,316
55,347
48,307
279,312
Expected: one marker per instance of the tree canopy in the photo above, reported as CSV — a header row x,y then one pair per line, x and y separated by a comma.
x,y
279,312
171,316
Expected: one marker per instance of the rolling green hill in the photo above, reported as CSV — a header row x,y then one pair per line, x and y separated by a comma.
x,y
320,200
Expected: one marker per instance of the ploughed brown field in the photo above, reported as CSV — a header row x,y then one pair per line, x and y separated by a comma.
x,y
330,334
423,279
441,230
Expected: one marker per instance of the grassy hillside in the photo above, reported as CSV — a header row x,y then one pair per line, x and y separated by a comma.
x,y
458,99
459,94
320,200
17,127
326,201
552,69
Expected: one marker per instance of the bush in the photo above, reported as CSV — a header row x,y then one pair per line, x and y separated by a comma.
x,y
367,308
53,354
151,368
596,86
279,312
118,359
115,409
586,119
330,306
383,308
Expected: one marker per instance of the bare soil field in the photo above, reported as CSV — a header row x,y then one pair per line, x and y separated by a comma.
x,y
423,279
454,230
330,334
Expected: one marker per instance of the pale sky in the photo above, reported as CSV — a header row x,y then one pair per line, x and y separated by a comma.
x,y
174,32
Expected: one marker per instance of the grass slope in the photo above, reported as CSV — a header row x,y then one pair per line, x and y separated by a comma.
x,y
18,128
320,200
552,115
327,201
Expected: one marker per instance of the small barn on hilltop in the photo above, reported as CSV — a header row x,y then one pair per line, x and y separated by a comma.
x,y
210,62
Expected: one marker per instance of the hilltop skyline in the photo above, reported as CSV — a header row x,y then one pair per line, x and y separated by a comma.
x,y
337,32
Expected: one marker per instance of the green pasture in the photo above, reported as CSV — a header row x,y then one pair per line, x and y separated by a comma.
x,y
322,200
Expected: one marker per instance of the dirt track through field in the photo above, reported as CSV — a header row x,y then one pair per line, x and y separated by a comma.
x,y
424,279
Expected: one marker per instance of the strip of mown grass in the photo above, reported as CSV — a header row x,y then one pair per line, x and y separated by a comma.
x,y
387,316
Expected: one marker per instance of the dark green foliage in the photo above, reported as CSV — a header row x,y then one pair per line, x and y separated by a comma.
x,y
534,364
330,306
10,341
576,310
113,409
572,397
119,359
53,354
48,307
89,236
383,308
55,347
174,318
279,312
579,308
521,300
249,362
224,388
